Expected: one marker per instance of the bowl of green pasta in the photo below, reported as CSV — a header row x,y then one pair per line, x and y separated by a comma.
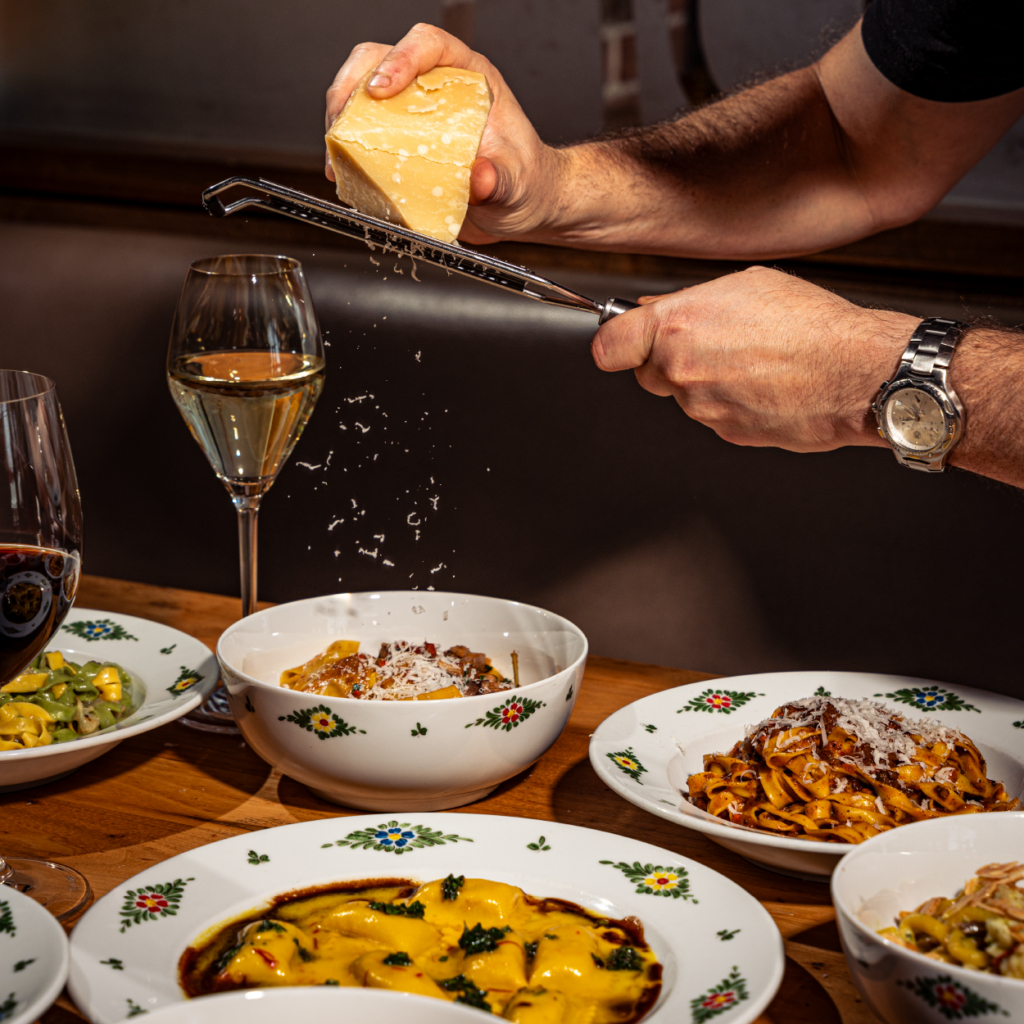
x,y
103,677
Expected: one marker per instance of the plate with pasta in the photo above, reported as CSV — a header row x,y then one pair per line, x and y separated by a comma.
x,y
472,909
793,769
103,678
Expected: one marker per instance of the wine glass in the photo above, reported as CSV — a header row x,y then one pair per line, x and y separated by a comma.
x,y
245,367
40,564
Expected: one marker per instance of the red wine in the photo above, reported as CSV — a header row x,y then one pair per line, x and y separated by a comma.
x,y
37,586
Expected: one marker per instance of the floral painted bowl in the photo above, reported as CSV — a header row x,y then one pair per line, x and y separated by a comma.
x,y
402,755
34,958
899,870
647,750
720,951
171,672
273,1005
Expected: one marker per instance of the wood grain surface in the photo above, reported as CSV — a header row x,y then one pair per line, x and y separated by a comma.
x,y
173,789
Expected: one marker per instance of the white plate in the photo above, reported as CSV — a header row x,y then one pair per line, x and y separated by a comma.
x,y
33,958
274,1005
717,943
175,671
646,751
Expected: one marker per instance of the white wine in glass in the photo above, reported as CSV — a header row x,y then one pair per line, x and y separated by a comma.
x,y
245,367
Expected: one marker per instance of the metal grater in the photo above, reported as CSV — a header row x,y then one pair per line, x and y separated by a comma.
x,y
394,239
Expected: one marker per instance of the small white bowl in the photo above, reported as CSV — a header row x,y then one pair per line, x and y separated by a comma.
x,y
34,958
353,1005
402,755
899,870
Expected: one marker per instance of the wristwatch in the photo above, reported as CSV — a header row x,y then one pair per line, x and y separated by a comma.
x,y
918,412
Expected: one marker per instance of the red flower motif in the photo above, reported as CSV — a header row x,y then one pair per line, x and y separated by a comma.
x,y
720,700
951,996
512,713
151,901
719,1000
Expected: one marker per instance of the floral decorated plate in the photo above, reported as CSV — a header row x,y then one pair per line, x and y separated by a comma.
x,y
33,958
646,751
171,671
273,1005
721,952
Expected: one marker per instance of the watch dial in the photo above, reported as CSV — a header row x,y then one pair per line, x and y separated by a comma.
x,y
915,419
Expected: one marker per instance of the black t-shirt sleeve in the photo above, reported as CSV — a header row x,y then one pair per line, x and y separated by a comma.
x,y
947,50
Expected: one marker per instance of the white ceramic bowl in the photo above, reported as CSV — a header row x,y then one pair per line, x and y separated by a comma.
x,y
313,1006
899,870
720,951
34,958
647,750
172,672
402,755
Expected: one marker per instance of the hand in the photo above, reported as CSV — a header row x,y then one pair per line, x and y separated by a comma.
x,y
512,177
763,358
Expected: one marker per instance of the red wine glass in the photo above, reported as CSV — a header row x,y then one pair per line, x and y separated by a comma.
x,y
40,565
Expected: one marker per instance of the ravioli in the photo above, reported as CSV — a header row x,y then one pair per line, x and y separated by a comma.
x,y
468,940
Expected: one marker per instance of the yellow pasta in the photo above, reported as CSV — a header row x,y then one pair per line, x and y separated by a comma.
x,y
981,928
829,769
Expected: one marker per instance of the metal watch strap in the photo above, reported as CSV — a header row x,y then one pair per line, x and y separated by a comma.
x,y
931,347
926,359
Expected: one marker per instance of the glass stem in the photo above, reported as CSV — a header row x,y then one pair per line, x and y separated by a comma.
x,y
248,508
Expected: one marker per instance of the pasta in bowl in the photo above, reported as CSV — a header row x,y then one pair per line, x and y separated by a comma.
x,y
437,750
965,969
648,751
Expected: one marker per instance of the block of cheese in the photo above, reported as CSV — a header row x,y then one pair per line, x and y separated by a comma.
x,y
407,159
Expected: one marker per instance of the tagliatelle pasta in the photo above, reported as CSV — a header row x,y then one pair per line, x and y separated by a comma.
x,y
829,769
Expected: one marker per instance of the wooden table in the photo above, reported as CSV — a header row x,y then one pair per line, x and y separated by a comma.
x,y
174,789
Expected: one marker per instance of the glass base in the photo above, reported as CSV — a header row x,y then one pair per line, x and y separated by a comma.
x,y
61,889
213,715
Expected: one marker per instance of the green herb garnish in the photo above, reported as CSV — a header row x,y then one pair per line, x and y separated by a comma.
x,y
481,940
225,958
451,885
398,960
468,992
414,909
625,958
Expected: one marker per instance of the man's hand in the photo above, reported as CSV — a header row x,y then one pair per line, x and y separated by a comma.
x,y
513,181
763,358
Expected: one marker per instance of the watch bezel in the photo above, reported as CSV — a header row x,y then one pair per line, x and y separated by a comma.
x,y
951,416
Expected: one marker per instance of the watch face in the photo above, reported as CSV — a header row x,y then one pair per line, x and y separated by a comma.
x,y
915,420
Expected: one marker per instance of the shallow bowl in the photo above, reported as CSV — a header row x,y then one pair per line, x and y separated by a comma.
x,y
34,958
647,750
171,672
402,755
899,870
271,1006
720,951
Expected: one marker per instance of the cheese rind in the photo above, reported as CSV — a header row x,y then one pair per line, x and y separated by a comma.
x,y
407,159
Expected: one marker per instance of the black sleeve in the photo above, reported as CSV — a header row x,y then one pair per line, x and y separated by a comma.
x,y
947,50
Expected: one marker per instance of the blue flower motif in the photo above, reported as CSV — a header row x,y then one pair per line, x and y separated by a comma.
x,y
97,629
394,837
929,698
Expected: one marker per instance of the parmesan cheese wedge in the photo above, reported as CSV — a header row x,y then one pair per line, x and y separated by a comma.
x,y
407,159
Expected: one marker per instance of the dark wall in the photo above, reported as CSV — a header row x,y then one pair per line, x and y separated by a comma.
x,y
466,437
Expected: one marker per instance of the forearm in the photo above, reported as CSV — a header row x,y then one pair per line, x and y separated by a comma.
x,y
758,175
987,373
